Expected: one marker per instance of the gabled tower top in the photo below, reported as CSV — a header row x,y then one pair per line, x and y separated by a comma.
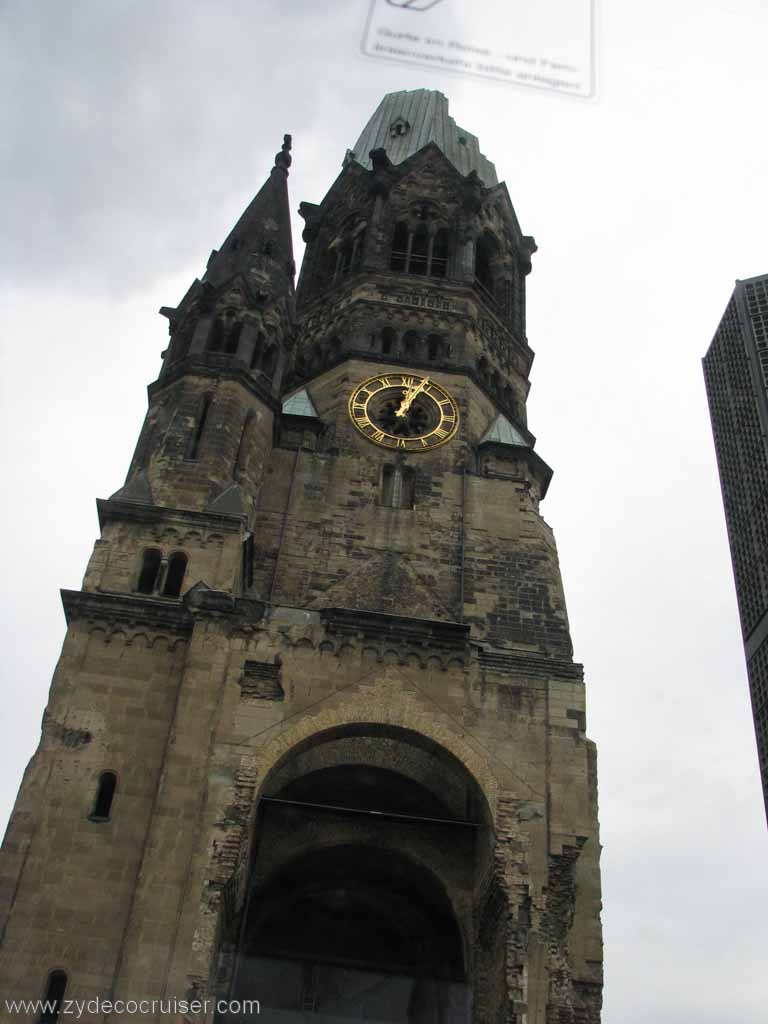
x,y
404,122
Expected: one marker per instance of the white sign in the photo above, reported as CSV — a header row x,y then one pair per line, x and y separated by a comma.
x,y
542,44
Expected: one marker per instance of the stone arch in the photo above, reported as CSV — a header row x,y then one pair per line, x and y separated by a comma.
x,y
405,715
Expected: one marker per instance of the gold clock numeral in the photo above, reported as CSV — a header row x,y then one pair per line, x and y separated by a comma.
x,y
439,432
378,435
384,381
363,421
358,405
449,419
424,442
408,382
401,442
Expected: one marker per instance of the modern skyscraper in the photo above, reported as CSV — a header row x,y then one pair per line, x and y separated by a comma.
x,y
316,737
736,375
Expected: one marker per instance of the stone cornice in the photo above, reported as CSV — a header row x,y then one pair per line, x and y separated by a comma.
x,y
120,510
399,628
171,614
524,663
211,365
129,609
466,302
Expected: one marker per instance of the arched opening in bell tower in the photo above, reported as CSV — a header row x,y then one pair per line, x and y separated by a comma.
x,y
370,844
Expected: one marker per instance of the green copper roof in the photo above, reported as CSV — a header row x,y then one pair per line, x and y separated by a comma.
x,y
299,404
502,432
404,122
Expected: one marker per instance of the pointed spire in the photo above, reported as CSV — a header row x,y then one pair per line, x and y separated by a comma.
x,y
260,245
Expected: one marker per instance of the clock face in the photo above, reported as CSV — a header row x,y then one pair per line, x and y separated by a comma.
x,y
402,411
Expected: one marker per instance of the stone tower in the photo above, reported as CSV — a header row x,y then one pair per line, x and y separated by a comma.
x,y
316,737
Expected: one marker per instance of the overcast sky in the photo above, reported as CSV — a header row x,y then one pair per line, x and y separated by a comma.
x,y
134,133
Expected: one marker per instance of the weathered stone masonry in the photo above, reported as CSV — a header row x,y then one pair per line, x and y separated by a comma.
x,y
353,777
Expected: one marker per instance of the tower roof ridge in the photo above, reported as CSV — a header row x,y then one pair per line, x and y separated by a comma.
x,y
404,122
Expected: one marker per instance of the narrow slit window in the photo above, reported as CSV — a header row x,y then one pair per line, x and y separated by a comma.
x,y
177,567
105,794
248,562
194,448
150,567
54,997
397,487
240,458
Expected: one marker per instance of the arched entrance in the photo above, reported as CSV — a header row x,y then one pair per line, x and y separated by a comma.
x,y
369,844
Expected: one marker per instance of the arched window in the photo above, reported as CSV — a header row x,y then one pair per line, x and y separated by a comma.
x,y
439,265
232,337
269,361
434,347
388,341
216,337
257,351
419,252
54,997
399,247
105,794
150,567
486,248
419,261
411,345
177,566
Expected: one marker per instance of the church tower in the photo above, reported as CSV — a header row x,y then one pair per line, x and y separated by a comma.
x,y
316,738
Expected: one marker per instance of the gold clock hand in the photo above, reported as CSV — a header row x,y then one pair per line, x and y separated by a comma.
x,y
408,393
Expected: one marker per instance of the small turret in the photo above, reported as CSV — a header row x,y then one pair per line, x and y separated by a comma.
x,y
241,311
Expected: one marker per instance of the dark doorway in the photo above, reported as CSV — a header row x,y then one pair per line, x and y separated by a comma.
x,y
353,933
